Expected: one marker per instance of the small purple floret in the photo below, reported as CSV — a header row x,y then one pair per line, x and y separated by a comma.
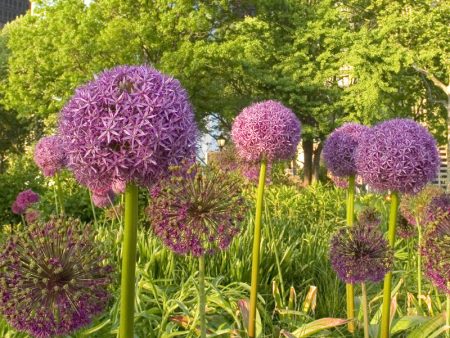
x,y
266,130
340,148
49,155
24,200
397,155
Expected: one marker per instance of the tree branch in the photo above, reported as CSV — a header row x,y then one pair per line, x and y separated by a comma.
x,y
433,79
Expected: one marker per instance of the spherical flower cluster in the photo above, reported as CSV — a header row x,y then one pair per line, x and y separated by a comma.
x,y
52,279
24,200
369,217
414,207
197,210
397,155
129,125
360,254
32,216
103,199
340,182
340,148
49,155
251,172
436,245
266,130
438,209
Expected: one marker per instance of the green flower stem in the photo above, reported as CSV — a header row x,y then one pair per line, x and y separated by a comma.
x,y
385,316
93,208
127,287
365,310
202,295
256,248
419,266
349,287
59,194
447,319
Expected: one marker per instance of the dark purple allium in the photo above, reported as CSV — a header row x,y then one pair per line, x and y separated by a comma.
x,y
197,210
340,148
404,228
52,279
438,209
397,155
266,129
103,200
414,207
436,245
32,216
24,200
369,217
360,254
129,124
49,155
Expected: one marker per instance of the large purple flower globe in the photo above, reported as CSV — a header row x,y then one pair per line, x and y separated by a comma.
x,y
49,155
397,155
340,147
266,130
129,124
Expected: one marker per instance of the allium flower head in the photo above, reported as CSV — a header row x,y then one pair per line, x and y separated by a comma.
x,y
103,199
129,124
266,130
197,210
340,182
369,217
397,155
414,207
32,216
49,155
405,229
24,200
52,279
360,254
340,148
436,246
438,208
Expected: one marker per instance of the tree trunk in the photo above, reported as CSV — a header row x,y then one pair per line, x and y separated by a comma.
x,y
308,161
316,163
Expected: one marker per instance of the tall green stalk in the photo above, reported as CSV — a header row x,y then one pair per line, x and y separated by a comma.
x,y
365,307
385,316
349,287
256,248
419,265
93,208
127,287
59,194
202,295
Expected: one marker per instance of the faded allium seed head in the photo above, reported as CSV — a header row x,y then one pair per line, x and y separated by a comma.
x,y
197,210
129,124
340,148
397,155
404,228
414,207
436,245
360,254
52,279
24,200
49,155
266,130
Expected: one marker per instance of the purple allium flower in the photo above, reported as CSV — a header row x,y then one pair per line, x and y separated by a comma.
x,y
340,182
103,200
414,207
369,217
49,155
397,155
340,148
360,254
438,208
32,215
251,171
129,124
266,129
24,200
404,228
118,186
52,279
197,210
436,245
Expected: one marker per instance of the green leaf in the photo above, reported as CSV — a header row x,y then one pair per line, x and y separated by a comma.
x,y
407,322
317,326
427,329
